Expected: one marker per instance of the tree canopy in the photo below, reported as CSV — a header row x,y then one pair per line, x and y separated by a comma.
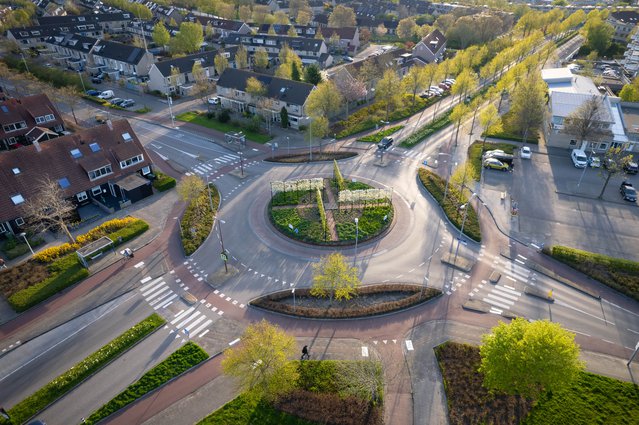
x,y
160,34
342,16
333,278
325,100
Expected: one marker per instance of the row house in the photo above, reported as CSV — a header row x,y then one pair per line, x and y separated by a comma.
x,y
222,28
108,22
431,48
624,22
280,93
32,37
104,165
72,50
315,5
27,120
145,29
119,60
347,37
310,50
168,14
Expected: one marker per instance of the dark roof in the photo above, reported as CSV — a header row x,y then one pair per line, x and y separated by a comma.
x,y
346,33
27,109
626,16
49,30
55,161
73,42
225,24
119,52
387,59
295,43
373,22
290,91
84,19
185,63
434,41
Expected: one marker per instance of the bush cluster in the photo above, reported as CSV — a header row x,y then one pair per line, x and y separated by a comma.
x,y
309,228
427,130
437,186
377,137
296,158
197,221
371,222
78,373
415,294
293,197
163,182
57,77
337,176
14,248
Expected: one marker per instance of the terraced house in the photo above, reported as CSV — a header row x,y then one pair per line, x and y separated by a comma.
x,y
27,120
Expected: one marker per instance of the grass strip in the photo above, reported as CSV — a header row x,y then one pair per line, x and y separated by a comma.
x,y
201,119
186,357
475,153
71,378
451,206
197,221
427,130
617,273
377,137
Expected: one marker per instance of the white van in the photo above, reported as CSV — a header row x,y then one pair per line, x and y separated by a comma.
x,y
107,94
579,158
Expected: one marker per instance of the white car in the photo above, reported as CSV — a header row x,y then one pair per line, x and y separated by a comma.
x,y
107,94
594,162
525,152
490,154
437,90
214,101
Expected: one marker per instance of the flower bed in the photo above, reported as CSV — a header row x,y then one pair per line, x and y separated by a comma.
x,y
186,357
427,130
369,301
197,221
81,371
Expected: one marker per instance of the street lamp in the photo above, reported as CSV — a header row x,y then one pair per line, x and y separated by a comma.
x,y
288,146
170,101
84,89
293,291
241,163
224,255
24,235
356,238
461,229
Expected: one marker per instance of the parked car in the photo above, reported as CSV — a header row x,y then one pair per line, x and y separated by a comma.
x,y
490,153
628,192
127,103
425,95
347,59
631,168
214,101
107,94
444,86
116,101
579,158
499,155
92,92
437,90
385,143
594,162
495,164
96,80
450,81
525,152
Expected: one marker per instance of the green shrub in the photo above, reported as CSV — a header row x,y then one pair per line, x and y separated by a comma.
x,y
197,221
337,176
224,116
162,182
19,249
437,186
308,226
57,77
370,223
322,212
427,130
377,137
81,371
293,197
186,357
475,154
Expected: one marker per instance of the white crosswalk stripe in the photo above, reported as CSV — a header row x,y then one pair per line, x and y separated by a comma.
x,y
195,323
148,285
181,315
208,167
153,288
496,303
199,172
166,302
188,319
157,300
160,291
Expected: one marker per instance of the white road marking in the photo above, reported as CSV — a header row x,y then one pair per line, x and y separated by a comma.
x,y
188,319
148,285
181,315
138,265
364,351
202,327
167,303
498,304
409,345
145,280
561,303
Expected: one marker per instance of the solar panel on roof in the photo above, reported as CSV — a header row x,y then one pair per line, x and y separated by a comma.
x,y
4,108
64,183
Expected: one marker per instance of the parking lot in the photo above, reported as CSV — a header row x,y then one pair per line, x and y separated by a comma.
x,y
553,209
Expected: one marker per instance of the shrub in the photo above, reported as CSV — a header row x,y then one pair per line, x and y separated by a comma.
x,y
14,249
436,186
224,116
210,115
57,77
322,212
105,229
186,357
427,130
64,383
197,221
162,182
337,176
50,254
377,137
294,197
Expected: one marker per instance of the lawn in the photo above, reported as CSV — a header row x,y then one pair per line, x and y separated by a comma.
x,y
427,130
475,153
201,119
378,136
246,410
371,222
197,221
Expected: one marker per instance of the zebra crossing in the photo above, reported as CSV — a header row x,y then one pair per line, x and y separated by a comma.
x,y
192,322
210,166
157,292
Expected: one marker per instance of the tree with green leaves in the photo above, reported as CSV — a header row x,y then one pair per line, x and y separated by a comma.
x,y
260,58
284,117
295,72
528,106
342,16
334,278
599,35
529,358
491,122
241,57
221,63
190,37
190,187
630,92
457,115
160,35
406,28
291,31
312,74
615,160
388,90
202,85
324,101
414,81
262,361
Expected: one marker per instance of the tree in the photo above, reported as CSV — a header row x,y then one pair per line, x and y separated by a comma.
x,y
295,72
351,88
281,18
160,35
262,361
318,128
587,122
271,30
241,57
490,120
342,16
388,90
406,28
599,35
202,85
221,63
335,279
457,115
465,83
324,101
244,13
284,117
368,74
312,74
208,30
190,187
615,160
414,82
380,30
529,358
255,87
291,31
527,106
49,208
260,58
71,96
304,17
190,37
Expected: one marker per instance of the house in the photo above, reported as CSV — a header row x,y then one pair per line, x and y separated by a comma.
x,y
292,95
631,55
145,29
431,48
28,119
167,14
105,165
624,22
221,27
174,75
567,92
117,60
310,50
27,37
348,37
108,22
71,50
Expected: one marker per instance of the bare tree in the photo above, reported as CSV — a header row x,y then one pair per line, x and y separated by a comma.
x,y
589,121
49,208
615,160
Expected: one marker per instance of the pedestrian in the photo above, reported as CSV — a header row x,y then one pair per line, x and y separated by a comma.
x,y
305,355
2,264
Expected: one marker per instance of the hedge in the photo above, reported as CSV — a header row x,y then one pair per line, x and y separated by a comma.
x,y
427,130
197,221
57,77
186,357
377,137
475,154
322,212
337,176
162,182
84,369
533,140
13,248
618,273
437,186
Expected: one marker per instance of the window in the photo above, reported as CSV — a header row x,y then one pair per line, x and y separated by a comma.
x,y
39,120
76,153
17,199
64,182
12,140
14,126
94,147
96,174
3,228
49,117
19,221
146,170
82,196
573,142
131,161
16,171
603,146
96,191
127,137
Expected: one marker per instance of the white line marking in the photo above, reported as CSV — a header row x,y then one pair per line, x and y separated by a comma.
x,y
498,304
181,315
167,303
145,280
517,260
633,331
561,303
500,299
204,326
154,302
138,265
203,333
164,289
364,351
609,342
148,285
195,323
235,341
409,345
188,319
507,290
522,257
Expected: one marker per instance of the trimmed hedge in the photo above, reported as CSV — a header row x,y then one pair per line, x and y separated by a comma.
x,y
377,137
297,158
162,182
437,186
617,273
533,140
64,383
14,249
337,177
197,221
427,130
322,212
475,154
186,357
415,294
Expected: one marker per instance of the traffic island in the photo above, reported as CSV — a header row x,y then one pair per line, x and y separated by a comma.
x,y
459,262
219,277
544,294
300,158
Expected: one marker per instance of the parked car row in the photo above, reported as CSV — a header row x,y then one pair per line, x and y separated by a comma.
x,y
108,94
439,89
497,159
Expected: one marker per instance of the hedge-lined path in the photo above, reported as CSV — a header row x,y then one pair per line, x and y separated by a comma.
x,y
332,226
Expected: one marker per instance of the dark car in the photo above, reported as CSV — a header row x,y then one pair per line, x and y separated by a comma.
x,y
117,101
631,168
127,103
386,143
96,80
93,92
628,192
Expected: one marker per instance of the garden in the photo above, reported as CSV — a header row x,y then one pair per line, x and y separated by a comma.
x,y
332,212
14,247
379,135
222,122
197,221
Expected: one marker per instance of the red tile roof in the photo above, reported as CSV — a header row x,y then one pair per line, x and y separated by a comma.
x,y
27,109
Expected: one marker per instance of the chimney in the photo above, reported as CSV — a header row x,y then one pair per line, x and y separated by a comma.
x,y
110,125
37,146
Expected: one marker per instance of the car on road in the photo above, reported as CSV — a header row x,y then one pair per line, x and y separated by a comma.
x,y
107,94
631,168
525,152
437,90
594,161
385,143
495,164
579,158
127,103
347,59
116,101
213,100
92,92
96,80
628,192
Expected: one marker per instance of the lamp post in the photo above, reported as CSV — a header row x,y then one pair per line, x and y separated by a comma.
x,y
25,62
288,146
293,291
224,255
461,229
310,138
592,152
84,89
170,101
241,163
24,235
356,238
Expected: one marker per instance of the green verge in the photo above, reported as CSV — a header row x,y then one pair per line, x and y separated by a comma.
x,y
437,186
475,153
186,357
163,182
427,130
78,373
618,273
197,221
377,137
201,119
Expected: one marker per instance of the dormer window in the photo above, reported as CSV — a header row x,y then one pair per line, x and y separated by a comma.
x,y
16,171
131,161
76,153
17,199
100,172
